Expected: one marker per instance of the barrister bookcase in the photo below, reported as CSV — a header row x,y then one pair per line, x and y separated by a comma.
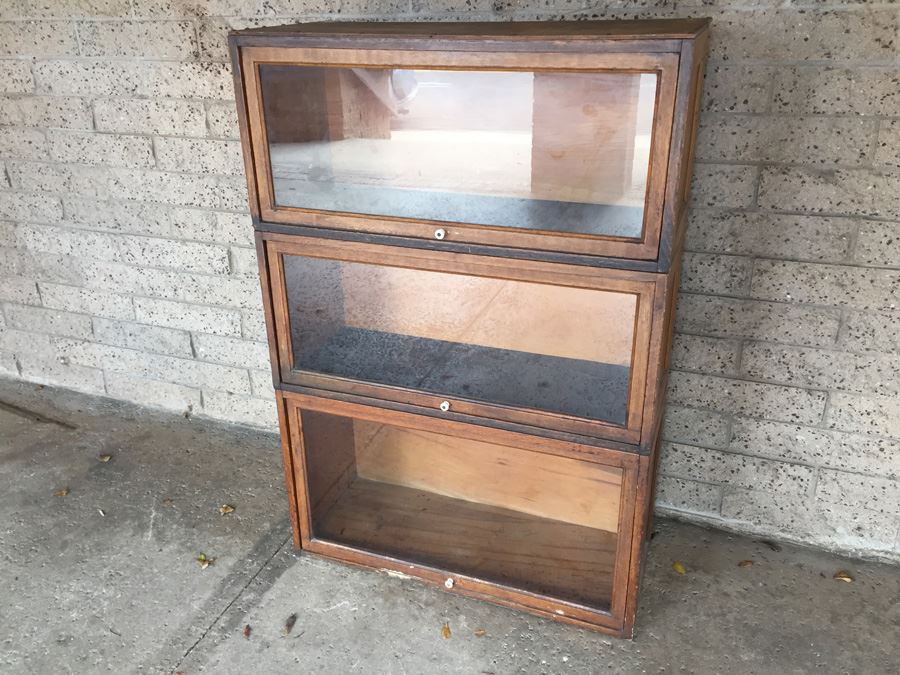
x,y
469,239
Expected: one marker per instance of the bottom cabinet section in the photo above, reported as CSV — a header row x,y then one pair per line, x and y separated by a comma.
x,y
526,521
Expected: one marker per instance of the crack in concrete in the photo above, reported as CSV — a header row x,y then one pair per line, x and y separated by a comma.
x,y
227,607
29,414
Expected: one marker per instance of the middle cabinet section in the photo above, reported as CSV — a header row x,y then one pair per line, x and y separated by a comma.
x,y
547,345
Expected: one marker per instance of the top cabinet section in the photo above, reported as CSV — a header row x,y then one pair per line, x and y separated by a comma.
x,y
560,138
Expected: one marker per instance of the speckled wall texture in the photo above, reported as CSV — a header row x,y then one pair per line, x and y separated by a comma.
x,y
126,266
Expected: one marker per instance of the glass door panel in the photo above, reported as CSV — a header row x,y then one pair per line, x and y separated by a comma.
x,y
565,152
536,346
537,522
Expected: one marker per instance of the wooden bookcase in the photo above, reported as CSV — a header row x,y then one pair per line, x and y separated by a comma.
x,y
469,241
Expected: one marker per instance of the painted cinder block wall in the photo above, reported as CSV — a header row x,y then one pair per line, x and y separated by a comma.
x,y
126,266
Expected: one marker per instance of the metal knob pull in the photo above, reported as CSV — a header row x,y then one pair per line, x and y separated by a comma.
x,y
448,583
440,233
444,406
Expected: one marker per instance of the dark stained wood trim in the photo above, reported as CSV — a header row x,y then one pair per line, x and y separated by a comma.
x,y
613,620
645,248
643,285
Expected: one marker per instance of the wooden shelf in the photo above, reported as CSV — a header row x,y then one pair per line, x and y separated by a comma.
x,y
544,556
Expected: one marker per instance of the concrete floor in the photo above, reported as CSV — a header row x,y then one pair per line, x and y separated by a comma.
x,y
105,579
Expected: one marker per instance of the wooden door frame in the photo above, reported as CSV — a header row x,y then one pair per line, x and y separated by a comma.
x,y
648,288
656,216
614,621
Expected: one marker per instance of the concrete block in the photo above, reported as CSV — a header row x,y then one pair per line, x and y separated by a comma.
x,y
40,266
8,365
876,243
20,290
822,368
770,235
48,321
878,415
64,112
155,339
15,76
86,301
716,274
261,384
133,250
243,261
23,143
155,366
753,399
696,427
37,39
778,322
887,150
816,522
853,287
40,369
812,140
222,120
253,324
154,79
837,91
191,288
867,331
30,207
232,351
66,9
58,178
816,447
255,412
20,342
705,355
713,466
214,320
226,193
100,149
151,116
858,192
688,496
153,220
723,186
853,491
153,393
141,39
200,156
801,34
737,88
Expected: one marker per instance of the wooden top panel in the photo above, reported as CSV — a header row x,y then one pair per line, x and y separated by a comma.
x,y
667,29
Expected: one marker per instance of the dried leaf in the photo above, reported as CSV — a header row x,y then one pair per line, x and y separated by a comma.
x,y
679,567
61,493
204,561
168,501
445,631
289,623
771,544
480,632
104,458
247,631
225,508
843,575
745,563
